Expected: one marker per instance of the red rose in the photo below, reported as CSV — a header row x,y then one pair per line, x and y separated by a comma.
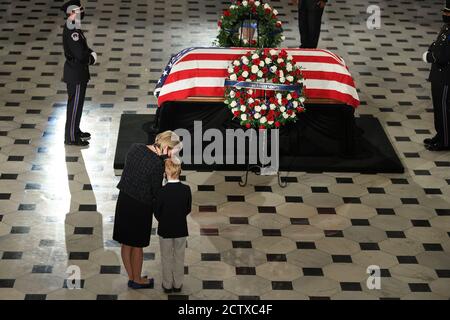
x,y
284,101
238,94
242,101
282,64
294,95
262,127
253,9
248,125
246,68
277,124
219,23
237,113
227,13
278,24
265,70
268,11
240,79
272,100
253,77
275,80
283,53
256,62
236,69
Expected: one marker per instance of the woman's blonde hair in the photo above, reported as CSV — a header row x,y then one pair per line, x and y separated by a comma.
x,y
173,169
168,139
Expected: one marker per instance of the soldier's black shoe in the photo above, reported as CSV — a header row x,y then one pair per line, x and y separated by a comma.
x,y
166,291
85,136
79,143
430,140
437,147
177,290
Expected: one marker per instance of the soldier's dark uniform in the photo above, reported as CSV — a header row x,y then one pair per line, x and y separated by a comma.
x,y
309,22
76,76
439,55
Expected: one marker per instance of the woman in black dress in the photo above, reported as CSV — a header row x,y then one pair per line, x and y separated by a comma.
x,y
139,186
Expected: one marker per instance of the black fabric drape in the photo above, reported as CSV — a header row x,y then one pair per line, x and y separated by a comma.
x,y
322,130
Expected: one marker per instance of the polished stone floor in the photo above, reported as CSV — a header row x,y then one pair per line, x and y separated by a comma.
x,y
314,239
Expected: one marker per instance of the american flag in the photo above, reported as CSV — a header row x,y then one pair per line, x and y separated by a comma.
x,y
201,72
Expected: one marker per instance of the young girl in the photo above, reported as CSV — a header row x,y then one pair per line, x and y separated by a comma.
x,y
139,186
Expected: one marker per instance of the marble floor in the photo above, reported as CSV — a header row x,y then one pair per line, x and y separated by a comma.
x,y
311,240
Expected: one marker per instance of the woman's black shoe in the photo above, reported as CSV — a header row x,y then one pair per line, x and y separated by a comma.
x,y
79,142
177,290
167,291
430,140
85,136
437,147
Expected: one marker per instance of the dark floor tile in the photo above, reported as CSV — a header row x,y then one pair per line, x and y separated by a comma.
x,y
242,244
369,246
12,255
326,210
207,208
306,245
109,269
354,200
271,232
263,189
42,269
319,189
419,287
376,190
351,286
236,198
341,258
407,260
238,220
294,199
282,285
395,234
249,298
276,257
300,221
107,297
334,233
313,272
385,211
443,273
209,232
35,297
210,256
267,209
245,271
360,222
20,230
149,256
206,188
7,283
83,230
212,285
79,256
433,247
420,223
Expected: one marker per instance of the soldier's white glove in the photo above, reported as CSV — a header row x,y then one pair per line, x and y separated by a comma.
x,y
425,55
94,55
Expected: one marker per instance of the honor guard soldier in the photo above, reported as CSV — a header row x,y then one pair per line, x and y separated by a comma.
x,y
439,55
76,71
310,21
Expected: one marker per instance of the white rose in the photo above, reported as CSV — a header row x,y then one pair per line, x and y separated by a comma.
x,y
262,64
248,80
243,108
295,104
282,109
282,80
268,60
280,60
257,115
232,94
272,106
285,115
255,56
245,41
233,77
250,91
234,110
290,58
244,3
251,100
283,38
279,96
255,69
275,12
260,74
289,67
245,60
273,69
257,3
266,6
233,104
290,78
280,102
293,115
273,52
289,97
243,117
245,74
281,74
270,122
263,120
257,108
237,63
219,29
264,107
232,6
302,99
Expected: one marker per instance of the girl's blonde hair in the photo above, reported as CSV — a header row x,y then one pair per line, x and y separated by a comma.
x,y
168,139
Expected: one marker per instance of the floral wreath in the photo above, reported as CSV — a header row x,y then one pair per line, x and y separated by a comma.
x,y
269,27
265,89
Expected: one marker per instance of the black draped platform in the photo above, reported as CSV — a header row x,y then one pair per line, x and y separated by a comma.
x,y
326,138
